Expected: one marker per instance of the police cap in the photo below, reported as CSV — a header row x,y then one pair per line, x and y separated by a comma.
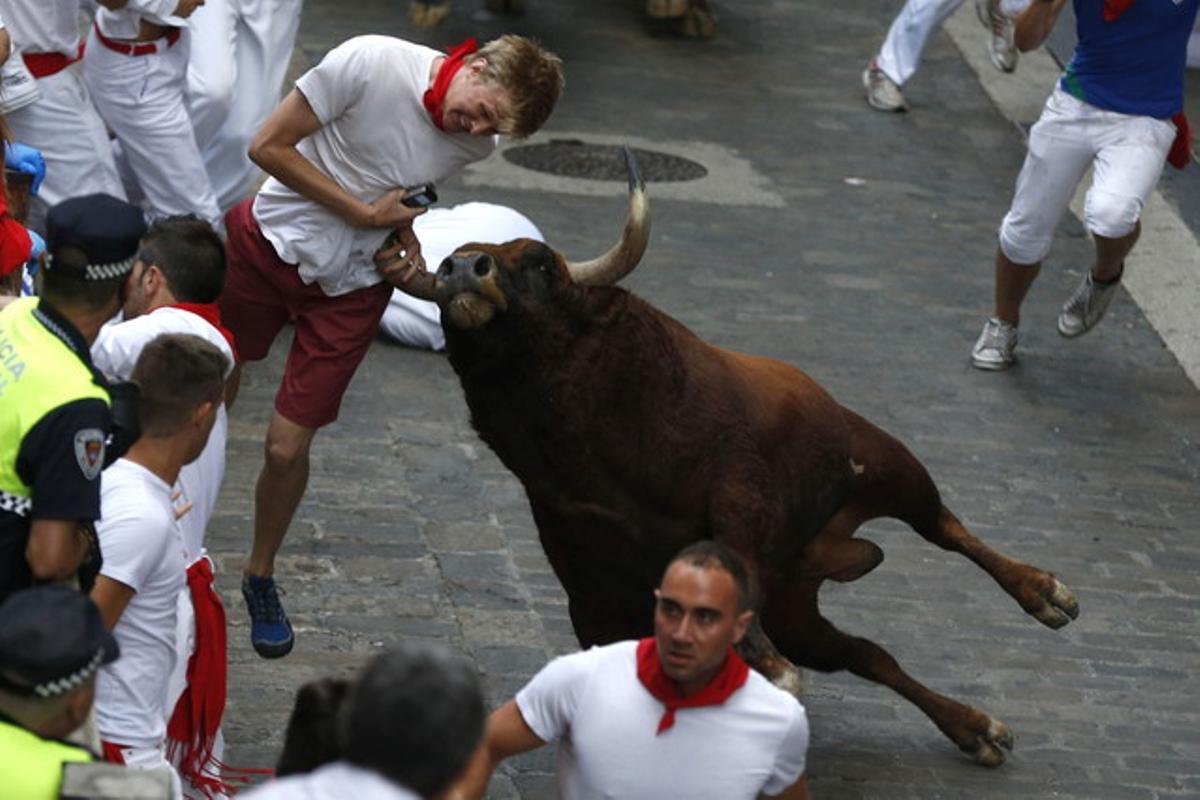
x,y
103,231
51,640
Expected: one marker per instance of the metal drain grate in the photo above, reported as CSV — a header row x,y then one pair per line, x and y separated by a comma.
x,y
572,158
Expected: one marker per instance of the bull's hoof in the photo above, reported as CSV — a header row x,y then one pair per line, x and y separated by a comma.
x,y
698,23
510,7
987,750
427,15
666,9
1059,608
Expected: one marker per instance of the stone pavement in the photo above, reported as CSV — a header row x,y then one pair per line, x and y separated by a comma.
x,y
857,246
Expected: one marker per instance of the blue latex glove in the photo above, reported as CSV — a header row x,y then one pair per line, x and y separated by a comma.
x,y
37,247
23,158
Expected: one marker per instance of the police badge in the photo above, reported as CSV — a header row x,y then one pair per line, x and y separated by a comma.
x,y
89,451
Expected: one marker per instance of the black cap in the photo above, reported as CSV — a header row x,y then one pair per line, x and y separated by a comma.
x,y
51,640
103,229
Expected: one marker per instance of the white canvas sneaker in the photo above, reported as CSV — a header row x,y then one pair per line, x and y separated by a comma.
x,y
882,92
996,347
1086,306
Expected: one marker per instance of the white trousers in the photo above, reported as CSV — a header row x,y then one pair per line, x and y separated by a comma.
x,y
141,98
1126,153
64,125
902,48
239,57
901,52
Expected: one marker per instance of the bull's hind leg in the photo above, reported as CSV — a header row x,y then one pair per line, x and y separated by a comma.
x,y
891,482
802,634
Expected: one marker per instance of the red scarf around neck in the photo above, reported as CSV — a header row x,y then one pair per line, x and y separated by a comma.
x,y
212,315
1115,8
649,670
436,94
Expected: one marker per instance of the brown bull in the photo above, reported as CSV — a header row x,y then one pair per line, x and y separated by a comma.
x,y
633,437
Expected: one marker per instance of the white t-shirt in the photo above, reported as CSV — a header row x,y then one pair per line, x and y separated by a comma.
x,y
334,781
376,136
142,548
115,353
441,231
43,26
605,720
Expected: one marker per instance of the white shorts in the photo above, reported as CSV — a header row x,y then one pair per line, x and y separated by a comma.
x,y
1126,152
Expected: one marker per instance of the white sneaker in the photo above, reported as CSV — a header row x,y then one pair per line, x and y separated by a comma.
x,y
1086,306
882,92
996,346
1002,49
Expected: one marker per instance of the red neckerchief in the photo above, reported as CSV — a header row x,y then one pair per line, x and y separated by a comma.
x,y
192,729
1115,8
436,94
210,314
732,676
1180,154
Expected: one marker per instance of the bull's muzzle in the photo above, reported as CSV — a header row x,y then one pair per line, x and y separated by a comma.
x,y
470,281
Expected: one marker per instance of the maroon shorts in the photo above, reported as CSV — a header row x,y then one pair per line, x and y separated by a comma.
x,y
262,292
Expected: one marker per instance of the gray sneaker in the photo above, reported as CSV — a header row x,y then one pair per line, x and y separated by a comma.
x,y
1086,306
996,346
882,92
1001,47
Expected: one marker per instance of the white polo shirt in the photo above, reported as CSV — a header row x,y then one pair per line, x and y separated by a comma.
x,y
605,720
143,549
375,136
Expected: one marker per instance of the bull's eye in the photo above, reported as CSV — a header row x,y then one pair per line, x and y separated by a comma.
x,y
483,265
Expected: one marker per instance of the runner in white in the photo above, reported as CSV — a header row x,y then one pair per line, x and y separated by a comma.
x,y
679,714
182,382
135,65
240,53
172,289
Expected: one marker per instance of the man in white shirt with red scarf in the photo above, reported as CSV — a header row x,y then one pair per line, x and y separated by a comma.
x,y
679,714
377,117
177,276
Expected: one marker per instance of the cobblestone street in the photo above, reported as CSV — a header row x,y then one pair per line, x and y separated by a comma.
x,y
857,246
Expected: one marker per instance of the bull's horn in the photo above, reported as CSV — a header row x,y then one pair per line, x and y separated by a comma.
x,y
625,254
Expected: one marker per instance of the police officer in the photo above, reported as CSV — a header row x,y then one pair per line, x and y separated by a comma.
x,y
57,415
52,642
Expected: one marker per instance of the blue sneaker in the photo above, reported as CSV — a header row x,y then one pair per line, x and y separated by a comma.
x,y
270,632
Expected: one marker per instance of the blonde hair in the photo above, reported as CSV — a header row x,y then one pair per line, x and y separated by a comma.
x,y
530,75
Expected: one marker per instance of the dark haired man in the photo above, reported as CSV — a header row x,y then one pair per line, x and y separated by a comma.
x,y
176,279
680,713
55,409
412,724
182,381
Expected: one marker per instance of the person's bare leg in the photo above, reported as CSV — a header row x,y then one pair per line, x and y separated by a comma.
x,y
1110,255
1012,284
281,486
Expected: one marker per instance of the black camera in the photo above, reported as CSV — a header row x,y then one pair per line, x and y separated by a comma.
x,y
420,196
